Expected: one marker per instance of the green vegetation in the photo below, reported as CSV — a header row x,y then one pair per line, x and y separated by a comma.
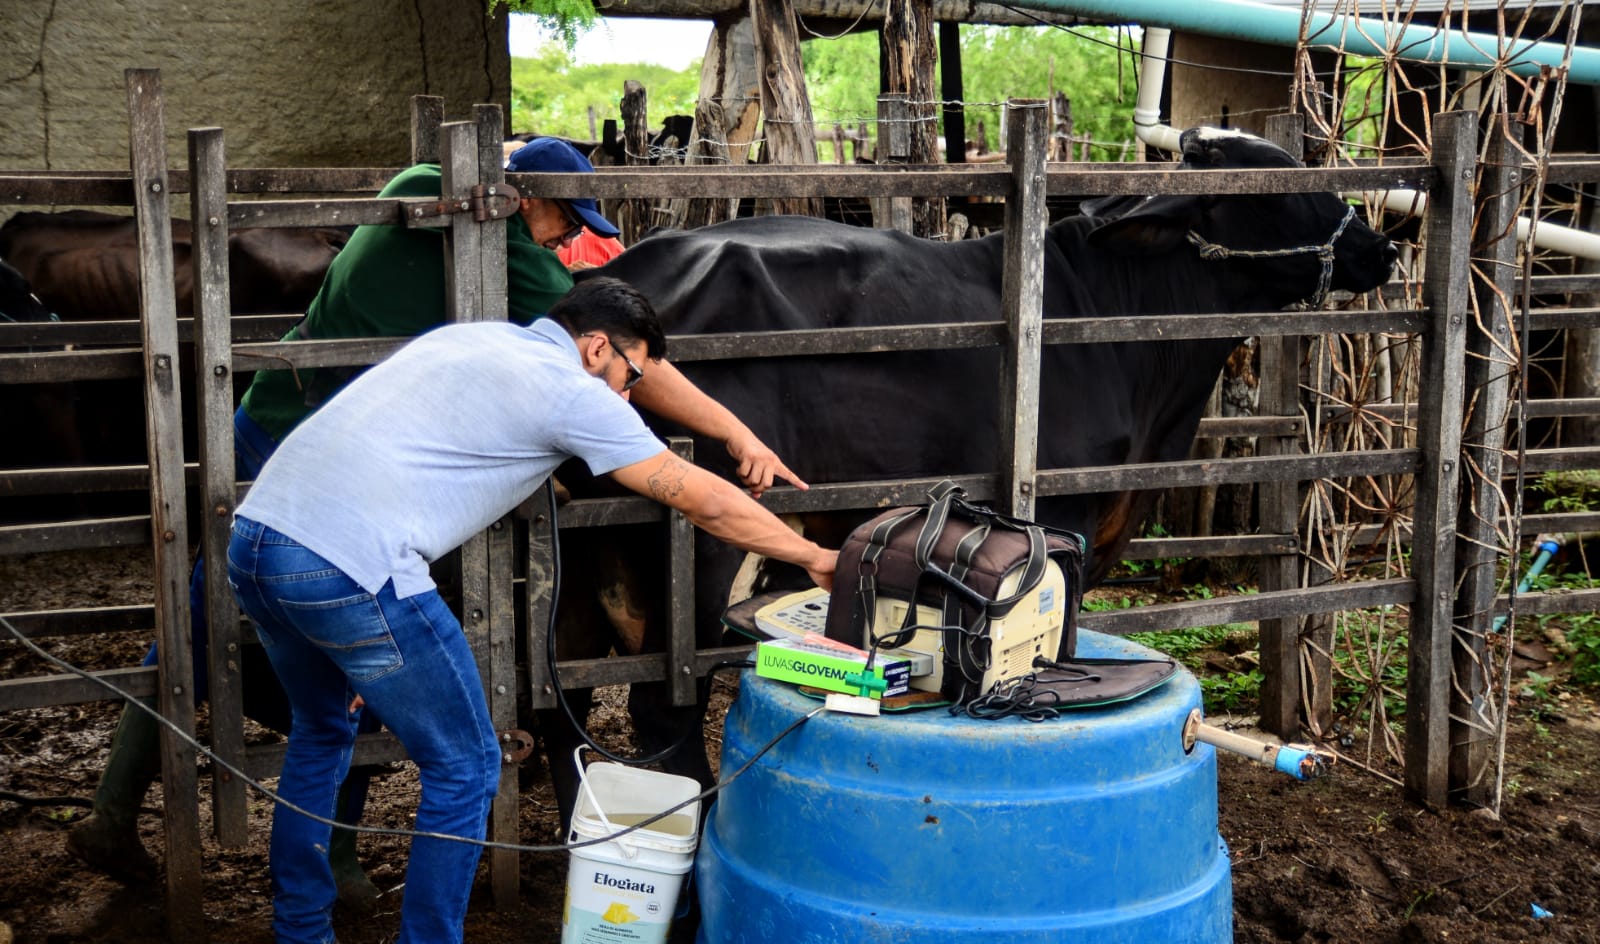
x,y
565,18
1369,664
1570,491
551,94
1218,690
997,63
1583,635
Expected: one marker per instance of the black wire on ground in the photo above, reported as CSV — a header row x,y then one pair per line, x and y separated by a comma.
x,y
129,699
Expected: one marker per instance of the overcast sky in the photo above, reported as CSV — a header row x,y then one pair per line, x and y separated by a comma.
x,y
671,43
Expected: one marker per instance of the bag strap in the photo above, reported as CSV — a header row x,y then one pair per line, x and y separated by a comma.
x,y
947,494
877,541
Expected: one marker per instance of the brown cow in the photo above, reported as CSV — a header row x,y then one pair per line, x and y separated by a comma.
x,y
85,264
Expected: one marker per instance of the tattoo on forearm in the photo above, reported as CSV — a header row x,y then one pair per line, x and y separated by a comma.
x,y
667,482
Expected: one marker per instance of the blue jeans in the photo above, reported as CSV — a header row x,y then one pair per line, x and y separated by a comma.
x,y
328,641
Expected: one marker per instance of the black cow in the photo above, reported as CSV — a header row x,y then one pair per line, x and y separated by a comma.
x,y
930,413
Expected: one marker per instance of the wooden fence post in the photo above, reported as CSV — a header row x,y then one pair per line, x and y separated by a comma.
x,y
158,322
208,208
1474,720
894,147
1446,292
1022,305
475,290
1279,504
784,103
633,216
680,595
492,234
907,52
463,265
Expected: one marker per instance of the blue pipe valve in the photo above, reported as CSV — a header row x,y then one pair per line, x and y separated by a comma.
x,y
1299,761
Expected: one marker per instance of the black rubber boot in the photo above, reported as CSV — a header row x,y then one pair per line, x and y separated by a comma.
x,y
356,891
108,838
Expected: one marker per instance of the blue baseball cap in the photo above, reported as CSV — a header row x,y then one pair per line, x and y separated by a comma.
x,y
554,155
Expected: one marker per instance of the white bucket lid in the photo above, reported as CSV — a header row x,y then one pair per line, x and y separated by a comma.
x,y
616,790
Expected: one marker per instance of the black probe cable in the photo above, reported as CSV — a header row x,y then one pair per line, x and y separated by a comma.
x,y
34,648
555,672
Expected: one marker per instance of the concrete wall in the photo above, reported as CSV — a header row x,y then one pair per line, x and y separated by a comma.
x,y
1202,96
293,83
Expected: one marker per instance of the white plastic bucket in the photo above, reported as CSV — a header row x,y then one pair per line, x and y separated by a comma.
x,y
626,889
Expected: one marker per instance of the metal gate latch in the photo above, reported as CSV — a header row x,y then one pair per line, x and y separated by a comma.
x,y
484,201
515,746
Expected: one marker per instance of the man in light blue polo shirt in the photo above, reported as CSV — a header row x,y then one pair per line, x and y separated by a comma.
x,y
332,543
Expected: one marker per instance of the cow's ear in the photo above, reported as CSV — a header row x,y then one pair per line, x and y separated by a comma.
x,y
1158,225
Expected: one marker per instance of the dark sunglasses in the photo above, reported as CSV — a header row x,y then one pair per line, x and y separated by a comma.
x,y
577,224
635,374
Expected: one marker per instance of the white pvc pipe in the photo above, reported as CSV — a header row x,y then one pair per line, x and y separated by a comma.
x,y
1147,125
1152,75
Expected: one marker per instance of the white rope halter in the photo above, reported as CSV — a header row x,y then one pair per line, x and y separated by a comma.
x,y
1213,252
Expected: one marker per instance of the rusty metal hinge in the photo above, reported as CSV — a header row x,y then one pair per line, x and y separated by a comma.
x,y
515,745
484,201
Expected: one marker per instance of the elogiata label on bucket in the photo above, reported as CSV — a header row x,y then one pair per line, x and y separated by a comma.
x,y
618,904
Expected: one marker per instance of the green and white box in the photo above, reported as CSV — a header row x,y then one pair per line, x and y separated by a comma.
x,y
828,665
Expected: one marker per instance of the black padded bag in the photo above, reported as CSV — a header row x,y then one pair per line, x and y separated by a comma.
x,y
951,555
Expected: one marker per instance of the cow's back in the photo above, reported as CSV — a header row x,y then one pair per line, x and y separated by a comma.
x,y
795,272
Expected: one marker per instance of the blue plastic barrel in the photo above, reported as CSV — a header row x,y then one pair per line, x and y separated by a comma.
x,y
928,828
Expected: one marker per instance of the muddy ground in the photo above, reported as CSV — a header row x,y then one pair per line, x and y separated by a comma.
x,y
1345,858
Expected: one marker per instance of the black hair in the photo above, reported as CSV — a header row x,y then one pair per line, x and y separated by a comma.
x,y
612,307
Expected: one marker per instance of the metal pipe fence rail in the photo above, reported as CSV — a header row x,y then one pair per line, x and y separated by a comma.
x,y
470,154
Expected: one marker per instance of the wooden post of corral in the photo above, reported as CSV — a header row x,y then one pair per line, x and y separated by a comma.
x,y
1022,304
894,147
709,147
784,102
633,216
1474,721
158,322
463,268
1280,505
492,175
1446,293
208,208
910,57
681,677
475,263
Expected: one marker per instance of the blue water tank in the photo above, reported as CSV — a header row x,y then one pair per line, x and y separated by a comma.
x,y
925,828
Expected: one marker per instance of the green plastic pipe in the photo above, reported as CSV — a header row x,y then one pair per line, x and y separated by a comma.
x,y
1357,36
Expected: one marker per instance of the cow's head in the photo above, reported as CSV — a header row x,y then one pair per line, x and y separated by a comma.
x,y
1291,246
